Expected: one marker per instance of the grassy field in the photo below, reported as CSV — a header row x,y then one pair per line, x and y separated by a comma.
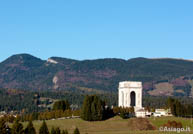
x,y
115,125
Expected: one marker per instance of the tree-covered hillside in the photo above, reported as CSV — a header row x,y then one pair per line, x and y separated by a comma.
x,y
24,71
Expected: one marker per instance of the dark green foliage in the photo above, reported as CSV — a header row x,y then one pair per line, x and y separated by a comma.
x,y
61,105
108,113
58,131
53,131
43,129
150,102
3,126
179,109
17,100
93,109
17,128
154,101
30,128
186,89
24,100
86,109
64,131
76,131
47,115
124,113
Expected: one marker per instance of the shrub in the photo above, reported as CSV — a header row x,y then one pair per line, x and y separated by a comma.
x,y
173,124
140,124
76,131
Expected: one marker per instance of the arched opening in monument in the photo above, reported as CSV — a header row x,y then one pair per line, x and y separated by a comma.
x,y
122,96
132,96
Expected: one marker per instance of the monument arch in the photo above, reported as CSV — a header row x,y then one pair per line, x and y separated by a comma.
x,y
130,94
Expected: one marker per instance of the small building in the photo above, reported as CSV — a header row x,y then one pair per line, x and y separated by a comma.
x,y
142,113
157,114
162,112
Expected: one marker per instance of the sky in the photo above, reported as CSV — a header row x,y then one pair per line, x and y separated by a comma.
x,y
92,29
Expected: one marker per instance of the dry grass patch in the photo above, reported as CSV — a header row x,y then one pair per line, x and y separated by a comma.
x,y
140,124
164,88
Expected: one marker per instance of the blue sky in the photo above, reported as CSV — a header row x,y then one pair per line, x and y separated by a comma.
x,y
91,29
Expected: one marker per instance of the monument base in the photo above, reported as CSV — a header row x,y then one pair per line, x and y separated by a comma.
x,y
138,108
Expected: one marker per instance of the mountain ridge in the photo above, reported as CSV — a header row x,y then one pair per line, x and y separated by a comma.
x,y
57,57
24,71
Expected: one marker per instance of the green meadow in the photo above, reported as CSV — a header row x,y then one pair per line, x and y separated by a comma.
x,y
114,125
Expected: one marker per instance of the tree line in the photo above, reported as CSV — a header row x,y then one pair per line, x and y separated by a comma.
x,y
27,102
180,109
17,128
96,109
93,109
60,109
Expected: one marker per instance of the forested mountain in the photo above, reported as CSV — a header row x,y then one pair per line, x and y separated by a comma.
x,y
159,76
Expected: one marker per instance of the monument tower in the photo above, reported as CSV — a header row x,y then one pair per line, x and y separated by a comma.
x,y
130,94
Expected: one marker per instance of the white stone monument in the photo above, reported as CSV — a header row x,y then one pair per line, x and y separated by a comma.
x,y
130,94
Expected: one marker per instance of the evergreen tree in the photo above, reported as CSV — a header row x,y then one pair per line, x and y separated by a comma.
x,y
123,115
3,126
61,105
76,131
53,131
86,109
65,132
43,129
178,108
94,112
189,110
17,128
93,109
57,130
30,128
171,105
100,108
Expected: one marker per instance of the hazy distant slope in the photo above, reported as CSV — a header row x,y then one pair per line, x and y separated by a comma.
x,y
24,71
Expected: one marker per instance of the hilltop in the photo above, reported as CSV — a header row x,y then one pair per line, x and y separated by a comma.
x,y
165,76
